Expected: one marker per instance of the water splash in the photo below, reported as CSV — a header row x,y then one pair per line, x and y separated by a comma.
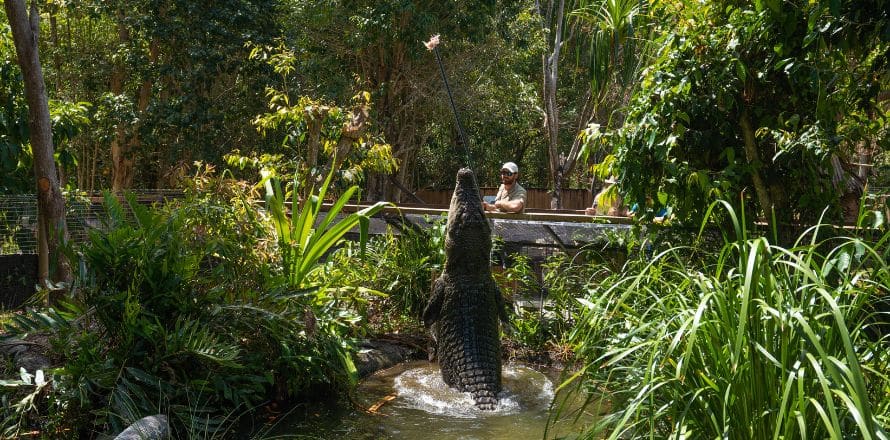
x,y
424,408
422,388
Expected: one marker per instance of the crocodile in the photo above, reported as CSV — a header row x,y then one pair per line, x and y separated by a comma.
x,y
463,310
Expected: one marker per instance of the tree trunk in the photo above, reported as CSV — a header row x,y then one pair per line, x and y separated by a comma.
x,y
753,157
52,231
314,120
134,140
864,150
550,64
567,163
121,162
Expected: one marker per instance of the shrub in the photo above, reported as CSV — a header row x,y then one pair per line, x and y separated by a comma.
x,y
765,342
396,277
201,309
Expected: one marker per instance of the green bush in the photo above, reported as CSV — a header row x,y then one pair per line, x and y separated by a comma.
x,y
763,342
396,277
143,330
202,309
546,309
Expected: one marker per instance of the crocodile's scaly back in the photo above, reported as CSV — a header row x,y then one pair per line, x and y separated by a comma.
x,y
466,303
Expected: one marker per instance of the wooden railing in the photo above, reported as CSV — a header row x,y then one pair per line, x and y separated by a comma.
x,y
572,199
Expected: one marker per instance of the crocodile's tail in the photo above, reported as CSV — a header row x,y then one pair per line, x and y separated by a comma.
x,y
486,399
484,385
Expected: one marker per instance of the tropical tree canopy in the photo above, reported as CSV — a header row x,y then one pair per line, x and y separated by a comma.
x,y
685,102
771,100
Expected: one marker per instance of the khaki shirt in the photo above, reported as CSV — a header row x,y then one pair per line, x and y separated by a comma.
x,y
516,192
609,204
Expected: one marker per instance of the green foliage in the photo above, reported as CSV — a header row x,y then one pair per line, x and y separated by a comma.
x,y
317,344
178,73
519,278
302,240
545,309
759,342
530,331
488,53
738,91
204,88
150,283
168,304
67,120
396,275
13,117
529,327
495,82
317,137
616,42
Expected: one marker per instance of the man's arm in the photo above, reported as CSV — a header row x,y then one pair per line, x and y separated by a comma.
x,y
490,207
510,205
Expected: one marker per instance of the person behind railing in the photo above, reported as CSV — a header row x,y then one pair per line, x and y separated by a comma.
x,y
608,201
511,195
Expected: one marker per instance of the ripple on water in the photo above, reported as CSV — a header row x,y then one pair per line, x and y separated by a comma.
x,y
523,390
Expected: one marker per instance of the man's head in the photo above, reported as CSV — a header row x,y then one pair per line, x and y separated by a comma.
x,y
509,173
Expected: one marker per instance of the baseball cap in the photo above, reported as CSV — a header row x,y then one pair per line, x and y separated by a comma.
x,y
511,167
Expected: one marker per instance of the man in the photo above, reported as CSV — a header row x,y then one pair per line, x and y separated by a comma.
x,y
607,201
511,196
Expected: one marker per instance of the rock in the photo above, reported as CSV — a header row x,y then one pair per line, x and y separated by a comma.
x,y
25,354
380,354
31,361
153,427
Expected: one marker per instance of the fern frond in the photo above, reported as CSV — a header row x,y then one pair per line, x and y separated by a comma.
x,y
192,338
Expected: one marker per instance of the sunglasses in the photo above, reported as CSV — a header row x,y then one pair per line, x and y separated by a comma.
x,y
506,173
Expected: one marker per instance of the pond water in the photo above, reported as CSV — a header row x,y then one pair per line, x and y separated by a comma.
x,y
413,403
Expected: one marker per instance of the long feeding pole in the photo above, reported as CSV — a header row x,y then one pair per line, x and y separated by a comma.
x,y
433,46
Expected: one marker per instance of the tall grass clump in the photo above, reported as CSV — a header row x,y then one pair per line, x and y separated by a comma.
x,y
759,342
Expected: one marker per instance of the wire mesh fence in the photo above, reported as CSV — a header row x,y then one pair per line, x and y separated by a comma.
x,y
18,224
83,212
